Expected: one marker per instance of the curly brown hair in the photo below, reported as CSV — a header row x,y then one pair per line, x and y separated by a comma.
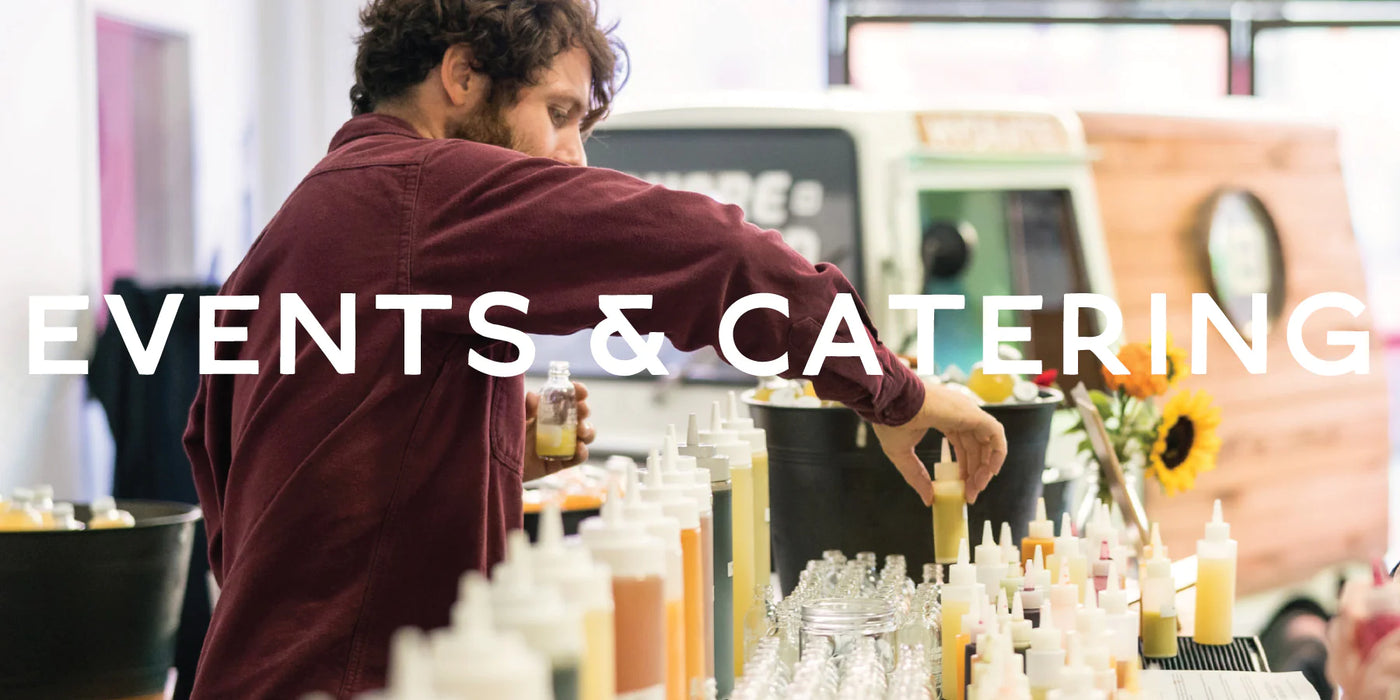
x,y
512,41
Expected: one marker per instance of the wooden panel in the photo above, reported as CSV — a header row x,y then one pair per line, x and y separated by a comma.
x,y
1302,469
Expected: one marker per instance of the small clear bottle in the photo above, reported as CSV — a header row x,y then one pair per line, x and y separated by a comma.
x,y
556,422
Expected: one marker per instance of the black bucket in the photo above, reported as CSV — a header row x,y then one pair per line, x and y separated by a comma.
x,y
830,486
93,613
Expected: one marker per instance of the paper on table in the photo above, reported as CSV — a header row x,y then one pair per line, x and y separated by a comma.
x,y
1216,685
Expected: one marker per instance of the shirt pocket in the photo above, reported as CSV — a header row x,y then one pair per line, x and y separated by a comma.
x,y
507,421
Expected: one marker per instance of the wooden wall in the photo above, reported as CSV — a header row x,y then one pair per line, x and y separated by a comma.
x,y
1302,470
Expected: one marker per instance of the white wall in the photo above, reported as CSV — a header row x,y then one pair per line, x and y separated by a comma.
x,y
48,224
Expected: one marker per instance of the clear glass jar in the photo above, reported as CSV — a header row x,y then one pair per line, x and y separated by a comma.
x,y
556,422
836,626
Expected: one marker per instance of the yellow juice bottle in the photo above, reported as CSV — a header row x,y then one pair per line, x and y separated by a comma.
x,y
1216,556
556,421
20,515
757,440
949,508
1041,534
106,515
959,596
1158,609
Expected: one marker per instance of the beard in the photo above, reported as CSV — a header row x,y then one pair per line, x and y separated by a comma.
x,y
487,124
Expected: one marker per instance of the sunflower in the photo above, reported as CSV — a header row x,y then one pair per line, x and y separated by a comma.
x,y
1186,441
1140,382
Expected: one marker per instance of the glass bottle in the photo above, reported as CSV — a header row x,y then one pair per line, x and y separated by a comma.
x,y
556,422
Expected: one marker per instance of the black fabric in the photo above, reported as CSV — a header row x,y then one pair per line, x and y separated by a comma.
x,y
147,415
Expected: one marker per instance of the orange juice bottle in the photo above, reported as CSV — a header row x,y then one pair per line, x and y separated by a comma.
x,y
20,515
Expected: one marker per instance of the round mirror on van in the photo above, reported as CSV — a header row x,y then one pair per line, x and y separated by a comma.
x,y
947,248
1243,256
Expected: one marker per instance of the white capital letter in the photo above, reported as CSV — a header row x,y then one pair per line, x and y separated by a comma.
x,y
477,317
1255,356
925,305
1158,315
754,368
295,311
843,310
413,306
993,335
40,334
648,351
1113,327
145,358
1357,362
209,334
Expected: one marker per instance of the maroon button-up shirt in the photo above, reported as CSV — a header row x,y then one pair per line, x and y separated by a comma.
x,y
341,507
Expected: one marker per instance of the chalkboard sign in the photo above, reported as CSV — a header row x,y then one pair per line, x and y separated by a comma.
x,y
800,182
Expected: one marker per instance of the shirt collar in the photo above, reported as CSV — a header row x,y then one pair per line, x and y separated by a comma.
x,y
370,125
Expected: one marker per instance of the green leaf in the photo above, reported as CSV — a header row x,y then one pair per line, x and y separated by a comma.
x,y
1102,402
1086,446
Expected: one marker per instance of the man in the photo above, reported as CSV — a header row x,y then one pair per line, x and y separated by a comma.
x,y
341,507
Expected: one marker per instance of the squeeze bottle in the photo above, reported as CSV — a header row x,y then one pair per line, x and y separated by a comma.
x,y
990,566
539,614
1036,587
1215,582
638,565
676,502
949,508
757,439
1041,533
959,595
653,519
1122,625
410,674
587,586
740,455
1159,610
1046,657
1064,600
1021,628
471,659
684,470
721,617
1065,543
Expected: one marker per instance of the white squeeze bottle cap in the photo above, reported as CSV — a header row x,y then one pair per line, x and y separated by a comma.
x,y
1217,544
570,569
1155,546
681,470
946,469
537,612
676,501
621,544
1066,542
410,666
473,660
1042,528
1123,624
707,458
1037,576
727,442
1009,551
1020,627
987,551
756,437
1046,637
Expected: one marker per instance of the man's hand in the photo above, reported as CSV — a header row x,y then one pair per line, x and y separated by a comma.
x,y
536,467
977,439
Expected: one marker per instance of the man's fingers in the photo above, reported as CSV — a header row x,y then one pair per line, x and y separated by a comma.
x,y
580,391
586,432
532,404
583,410
915,474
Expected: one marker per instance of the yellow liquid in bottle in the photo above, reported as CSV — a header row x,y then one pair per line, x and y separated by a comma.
x,y
762,542
20,520
1078,571
949,526
1039,693
1047,548
598,677
694,606
1052,564
953,611
675,650
1158,636
741,485
556,441
1215,601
